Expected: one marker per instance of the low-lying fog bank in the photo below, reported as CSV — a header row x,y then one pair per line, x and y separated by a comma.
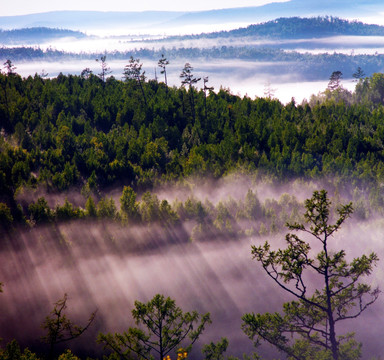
x,y
251,78
108,266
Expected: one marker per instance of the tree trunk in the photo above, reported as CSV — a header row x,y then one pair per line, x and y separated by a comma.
x,y
332,333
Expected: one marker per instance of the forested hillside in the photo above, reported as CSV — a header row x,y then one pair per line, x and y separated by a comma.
x,y
299,28
85,133
36,35
90,170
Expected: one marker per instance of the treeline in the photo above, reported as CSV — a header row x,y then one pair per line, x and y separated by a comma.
x,y
309,67
228,218
297,28
81,131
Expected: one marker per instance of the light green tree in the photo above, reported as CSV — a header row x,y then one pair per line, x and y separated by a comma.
x,y
162,328
216,351
128,206
90,207
309,322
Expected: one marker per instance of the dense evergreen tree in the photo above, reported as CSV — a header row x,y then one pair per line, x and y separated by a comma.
x,y
73,131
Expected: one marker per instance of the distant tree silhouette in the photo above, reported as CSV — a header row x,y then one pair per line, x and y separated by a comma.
x,y
86,73
335,80
162,63
132,71
358,74
189,79
9,67
105,69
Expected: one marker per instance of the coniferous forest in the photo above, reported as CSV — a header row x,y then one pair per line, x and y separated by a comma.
x,y
68,142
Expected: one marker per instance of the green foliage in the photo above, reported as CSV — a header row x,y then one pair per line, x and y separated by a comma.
x,y
128,204
67,211
349,349
149,207
216,351
73,130
12,351
106,208
312,317
90,208
163,327
40,212
194,209
167,214
67,355
6,217
252,206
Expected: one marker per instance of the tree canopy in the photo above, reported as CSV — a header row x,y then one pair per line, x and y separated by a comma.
x,y
313,316
163,327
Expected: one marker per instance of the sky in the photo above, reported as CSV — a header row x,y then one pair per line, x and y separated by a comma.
x,y
23,7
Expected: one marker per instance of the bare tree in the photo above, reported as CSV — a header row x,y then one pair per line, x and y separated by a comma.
x,y
105,69
269,92
163,62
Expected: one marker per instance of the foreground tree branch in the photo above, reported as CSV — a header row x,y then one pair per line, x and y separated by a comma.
x,y
311,319
60,328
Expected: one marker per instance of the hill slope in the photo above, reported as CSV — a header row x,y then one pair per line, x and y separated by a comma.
x,y
299,28
41,34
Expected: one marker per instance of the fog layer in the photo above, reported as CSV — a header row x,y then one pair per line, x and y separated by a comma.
x,y
107,266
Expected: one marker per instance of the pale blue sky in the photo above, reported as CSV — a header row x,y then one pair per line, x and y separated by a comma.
x,y
22,7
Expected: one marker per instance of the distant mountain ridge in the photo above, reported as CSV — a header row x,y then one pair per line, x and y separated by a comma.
x,y
296,28
40,34
76,20
87,20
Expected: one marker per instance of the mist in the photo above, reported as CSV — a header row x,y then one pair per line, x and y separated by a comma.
x,y
251,78
294,79
106,266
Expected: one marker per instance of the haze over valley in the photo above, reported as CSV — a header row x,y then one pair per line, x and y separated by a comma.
x,y
230,158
